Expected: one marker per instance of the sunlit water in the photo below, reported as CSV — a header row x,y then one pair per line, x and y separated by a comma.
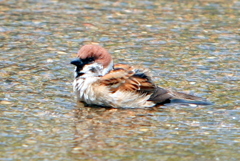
x,y
187,46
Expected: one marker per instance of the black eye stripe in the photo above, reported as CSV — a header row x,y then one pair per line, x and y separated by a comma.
x,y
91,59
88,60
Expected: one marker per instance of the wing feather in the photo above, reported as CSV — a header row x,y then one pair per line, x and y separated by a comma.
x,y
125,78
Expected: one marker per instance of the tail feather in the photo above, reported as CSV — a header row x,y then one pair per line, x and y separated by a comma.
x,y
162,96
181,95
181,101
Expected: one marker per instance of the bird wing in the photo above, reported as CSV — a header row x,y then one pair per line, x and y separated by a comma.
x,y
125,78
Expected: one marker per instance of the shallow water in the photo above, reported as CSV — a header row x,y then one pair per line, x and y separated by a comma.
x,y
188,46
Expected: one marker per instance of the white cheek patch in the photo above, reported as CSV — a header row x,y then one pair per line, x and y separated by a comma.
x,y
94,69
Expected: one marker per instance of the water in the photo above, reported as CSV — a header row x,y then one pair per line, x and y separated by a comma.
x,y
188,46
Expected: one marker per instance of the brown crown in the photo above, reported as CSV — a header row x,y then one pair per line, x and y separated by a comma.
x,y
97,52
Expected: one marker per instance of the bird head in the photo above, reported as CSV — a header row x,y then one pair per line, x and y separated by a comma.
x,y
92,60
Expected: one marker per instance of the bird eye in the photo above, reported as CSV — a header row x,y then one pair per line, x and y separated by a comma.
x,y
89,60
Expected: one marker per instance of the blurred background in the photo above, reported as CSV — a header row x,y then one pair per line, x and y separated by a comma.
x,y
187,45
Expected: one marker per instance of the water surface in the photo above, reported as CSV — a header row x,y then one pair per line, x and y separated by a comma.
x,y
188,46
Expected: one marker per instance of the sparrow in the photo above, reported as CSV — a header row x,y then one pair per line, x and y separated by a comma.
x,y
99,82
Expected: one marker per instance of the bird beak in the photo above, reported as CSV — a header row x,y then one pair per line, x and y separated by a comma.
x,y
78,62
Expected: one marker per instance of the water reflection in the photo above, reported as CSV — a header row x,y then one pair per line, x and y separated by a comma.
x,y
151,133
101,130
